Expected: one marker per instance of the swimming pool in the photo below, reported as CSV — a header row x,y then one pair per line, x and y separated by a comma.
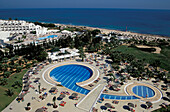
x,y
50,36
116,97
143,91
70,74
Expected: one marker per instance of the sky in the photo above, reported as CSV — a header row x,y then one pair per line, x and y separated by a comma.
x,y
127,4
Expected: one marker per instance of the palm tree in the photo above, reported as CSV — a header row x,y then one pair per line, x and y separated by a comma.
x,y
9,92
3,81
28,104
20,62
18,69
82,55
6,74
54,99
39,85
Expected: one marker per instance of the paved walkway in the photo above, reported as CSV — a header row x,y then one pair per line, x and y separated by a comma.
x,y
91,98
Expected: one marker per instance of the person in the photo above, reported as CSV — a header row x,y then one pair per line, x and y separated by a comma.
x,y
135,105
10,107
146,96
103,99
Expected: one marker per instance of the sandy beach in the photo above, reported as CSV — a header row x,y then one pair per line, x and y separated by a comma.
x,y
106,31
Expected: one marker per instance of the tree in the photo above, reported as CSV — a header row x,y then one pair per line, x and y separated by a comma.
x,y
20,62
42,56
6,74
9,92
9,18
18,69
28,104
17,83
156,63
95,32
54,99
3,81
28,65
39,85
82,55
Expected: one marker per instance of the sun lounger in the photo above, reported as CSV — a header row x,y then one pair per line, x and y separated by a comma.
x,y
94,109
91,85
117,89
62,103
115,102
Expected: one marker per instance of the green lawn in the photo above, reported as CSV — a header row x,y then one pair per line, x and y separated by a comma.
x,y
162,110
6,100
164,56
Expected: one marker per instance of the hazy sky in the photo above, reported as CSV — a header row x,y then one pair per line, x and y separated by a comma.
x,y
132,4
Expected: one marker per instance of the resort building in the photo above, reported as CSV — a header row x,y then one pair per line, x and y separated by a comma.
x,y
10,27
63,53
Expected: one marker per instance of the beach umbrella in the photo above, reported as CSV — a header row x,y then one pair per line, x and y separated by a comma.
x,y
131,105
149,103
55,111
26,88
168,84
27,84
21,96
74,95
53,88
40,110
25,79
62,96
157,80
37,78
108,105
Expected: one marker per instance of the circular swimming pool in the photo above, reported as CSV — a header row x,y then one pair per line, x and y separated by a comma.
x,y
143,91
71,74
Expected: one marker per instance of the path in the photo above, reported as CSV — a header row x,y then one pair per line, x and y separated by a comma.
x,y
91,98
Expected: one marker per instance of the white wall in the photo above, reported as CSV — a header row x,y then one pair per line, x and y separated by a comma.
x,y
4,35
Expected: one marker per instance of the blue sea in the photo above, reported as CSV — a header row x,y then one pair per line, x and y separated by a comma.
x,y
137,20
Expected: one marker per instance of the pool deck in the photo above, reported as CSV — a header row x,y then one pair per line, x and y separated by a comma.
x,y
91,98
48,79
70,105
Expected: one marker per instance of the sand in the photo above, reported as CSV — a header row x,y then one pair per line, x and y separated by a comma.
x,y
106,31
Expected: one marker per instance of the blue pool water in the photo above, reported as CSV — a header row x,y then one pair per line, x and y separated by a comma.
x,y
115,97
50,36
142,91
70,74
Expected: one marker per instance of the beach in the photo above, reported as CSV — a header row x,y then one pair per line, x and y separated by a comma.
x,y
106,31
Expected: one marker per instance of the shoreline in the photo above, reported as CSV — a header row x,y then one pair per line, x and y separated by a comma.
x,y
106,31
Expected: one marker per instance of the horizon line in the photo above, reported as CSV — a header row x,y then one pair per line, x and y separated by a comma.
x,y
88,8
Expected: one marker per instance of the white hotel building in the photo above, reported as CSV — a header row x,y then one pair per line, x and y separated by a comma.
x,y
10,27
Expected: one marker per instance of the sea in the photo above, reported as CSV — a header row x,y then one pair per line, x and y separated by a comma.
x,y
146,21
